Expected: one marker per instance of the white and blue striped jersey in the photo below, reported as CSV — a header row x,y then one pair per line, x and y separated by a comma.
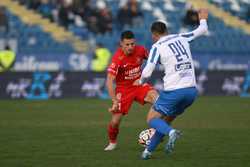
x,y
173,53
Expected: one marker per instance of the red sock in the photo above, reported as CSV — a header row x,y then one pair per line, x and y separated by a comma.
x,y
112,133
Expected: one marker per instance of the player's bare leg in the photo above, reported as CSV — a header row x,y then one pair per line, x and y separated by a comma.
x,y
113,130
153,114
151,96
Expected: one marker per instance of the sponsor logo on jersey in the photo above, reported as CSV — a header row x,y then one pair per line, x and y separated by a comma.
x,y
183,66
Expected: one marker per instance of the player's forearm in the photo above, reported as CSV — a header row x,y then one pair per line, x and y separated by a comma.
x,y
110,87
202,29
147,72
203,25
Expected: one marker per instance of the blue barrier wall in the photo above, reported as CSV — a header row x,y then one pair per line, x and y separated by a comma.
x,y
47,85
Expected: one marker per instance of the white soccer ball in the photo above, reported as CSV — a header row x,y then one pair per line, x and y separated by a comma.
x,y
145,136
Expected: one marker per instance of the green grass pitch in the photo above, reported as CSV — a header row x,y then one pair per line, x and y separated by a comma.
x,y
72,133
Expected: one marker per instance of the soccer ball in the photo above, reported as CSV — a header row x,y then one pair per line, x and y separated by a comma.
x,y
145,136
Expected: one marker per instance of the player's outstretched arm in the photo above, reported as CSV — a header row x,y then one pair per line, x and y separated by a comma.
x,y
147,72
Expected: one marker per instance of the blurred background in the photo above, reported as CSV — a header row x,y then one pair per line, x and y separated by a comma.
x,y
61,48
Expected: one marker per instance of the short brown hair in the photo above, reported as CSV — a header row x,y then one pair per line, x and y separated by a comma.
x,y
127,35
159,27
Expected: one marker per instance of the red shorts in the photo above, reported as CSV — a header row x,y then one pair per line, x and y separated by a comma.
x,y
126,96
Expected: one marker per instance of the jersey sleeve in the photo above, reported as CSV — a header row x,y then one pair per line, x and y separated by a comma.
x,y
153,59
154,55
201,30
114,66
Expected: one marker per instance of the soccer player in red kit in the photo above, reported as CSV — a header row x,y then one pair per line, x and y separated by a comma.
x,y
125,69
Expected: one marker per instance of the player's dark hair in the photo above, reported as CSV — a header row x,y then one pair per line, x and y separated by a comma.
x,y
127,35
159,27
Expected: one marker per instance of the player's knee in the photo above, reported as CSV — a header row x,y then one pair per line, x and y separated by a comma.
x,y
155,95
114,124
115,121
152,96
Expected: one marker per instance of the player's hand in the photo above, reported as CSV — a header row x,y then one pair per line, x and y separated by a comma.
x,y
114,107
203,14
136,82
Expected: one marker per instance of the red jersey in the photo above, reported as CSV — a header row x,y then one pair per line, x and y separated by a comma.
x,y
127,68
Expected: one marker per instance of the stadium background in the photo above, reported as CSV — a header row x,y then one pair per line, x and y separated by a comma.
x,y
61,37
55,43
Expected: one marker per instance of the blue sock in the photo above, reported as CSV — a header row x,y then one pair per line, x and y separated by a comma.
x,y
155,140
160,126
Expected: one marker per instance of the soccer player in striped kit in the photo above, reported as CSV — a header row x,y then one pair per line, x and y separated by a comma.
x,y
173,52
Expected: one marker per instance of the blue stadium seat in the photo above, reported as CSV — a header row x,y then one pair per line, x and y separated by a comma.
x,y
32,39
222,38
